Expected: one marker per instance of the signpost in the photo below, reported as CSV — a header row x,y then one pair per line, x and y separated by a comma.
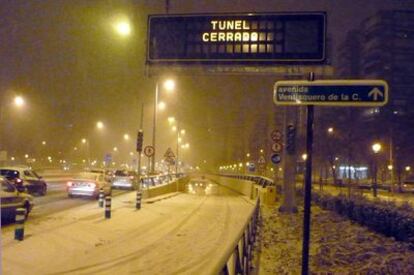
x,y
276,135
169,157
326,93
149,151
243,38
107,159
277,147
331,93
276,158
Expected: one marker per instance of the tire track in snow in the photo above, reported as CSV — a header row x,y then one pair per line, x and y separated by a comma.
x,y
121,260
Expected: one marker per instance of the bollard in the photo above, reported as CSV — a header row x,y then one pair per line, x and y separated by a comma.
x,y
19,225
101,197
138,202
108,207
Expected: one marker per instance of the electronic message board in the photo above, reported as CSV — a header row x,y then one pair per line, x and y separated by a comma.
x,y
243,38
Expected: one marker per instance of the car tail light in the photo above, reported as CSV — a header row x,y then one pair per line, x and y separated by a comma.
x,y
69,184
19,180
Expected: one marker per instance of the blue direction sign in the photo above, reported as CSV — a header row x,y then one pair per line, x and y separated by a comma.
x,y
331,92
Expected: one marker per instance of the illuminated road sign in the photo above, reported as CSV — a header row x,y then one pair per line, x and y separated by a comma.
x,y
243,38
331,92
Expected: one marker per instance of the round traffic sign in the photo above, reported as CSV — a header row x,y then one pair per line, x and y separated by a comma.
x,y
277,147
276,158
276,135
149,151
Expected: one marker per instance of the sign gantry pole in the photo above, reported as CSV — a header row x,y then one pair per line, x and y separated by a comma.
x,y
308,186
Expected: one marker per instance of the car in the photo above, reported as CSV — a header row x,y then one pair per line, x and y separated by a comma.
x,y
88,184
125,179
151,180
11,199
107,173
408,185
25,179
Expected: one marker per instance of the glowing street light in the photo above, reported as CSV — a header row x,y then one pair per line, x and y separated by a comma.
x,y
115,149
304,156
162,105
99,125
169,85
390,167
123,28
43,142
182,131
174,128
330,130
26,156
19,101
171,120
84,140
126,137
376,147
407,168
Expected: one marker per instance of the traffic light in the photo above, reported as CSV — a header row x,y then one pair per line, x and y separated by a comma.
x,y
140,139
290,139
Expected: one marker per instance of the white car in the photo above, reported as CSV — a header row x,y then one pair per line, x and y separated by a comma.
x,y
408,185
88,184
10,199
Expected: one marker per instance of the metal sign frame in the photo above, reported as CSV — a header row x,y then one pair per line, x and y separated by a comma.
x,y
320,18
300,84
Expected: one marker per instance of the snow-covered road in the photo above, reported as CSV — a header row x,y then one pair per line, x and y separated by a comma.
x,y
182,234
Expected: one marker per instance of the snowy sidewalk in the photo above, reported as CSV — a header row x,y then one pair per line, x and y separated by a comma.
x,y
182,234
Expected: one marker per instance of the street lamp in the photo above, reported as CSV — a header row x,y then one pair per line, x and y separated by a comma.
x,y
126,137
330,130
99,125
304,156
376,148
19,101
171,119
123,28
86,142
169,86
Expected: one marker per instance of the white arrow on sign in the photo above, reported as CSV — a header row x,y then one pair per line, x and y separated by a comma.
x,y
374,93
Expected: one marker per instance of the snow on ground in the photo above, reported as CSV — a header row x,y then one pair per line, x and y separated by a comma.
x,y
338,246
182,234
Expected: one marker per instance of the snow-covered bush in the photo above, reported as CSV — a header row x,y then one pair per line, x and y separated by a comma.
x,y
383,217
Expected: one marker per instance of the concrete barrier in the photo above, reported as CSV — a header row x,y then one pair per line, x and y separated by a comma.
x,y
175,186
267,195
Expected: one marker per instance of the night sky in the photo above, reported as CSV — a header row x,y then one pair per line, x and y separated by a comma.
x,y
73,70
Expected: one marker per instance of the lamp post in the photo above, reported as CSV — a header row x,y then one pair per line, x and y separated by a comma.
x,y
169,85
86,142
18,101
376,148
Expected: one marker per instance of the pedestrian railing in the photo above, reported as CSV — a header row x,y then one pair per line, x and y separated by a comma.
x,y
238,256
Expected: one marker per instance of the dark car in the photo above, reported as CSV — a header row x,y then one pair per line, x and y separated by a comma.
x,y
11,199
25,179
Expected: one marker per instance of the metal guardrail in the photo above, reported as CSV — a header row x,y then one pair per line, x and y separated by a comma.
x,y
259,180
238,256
